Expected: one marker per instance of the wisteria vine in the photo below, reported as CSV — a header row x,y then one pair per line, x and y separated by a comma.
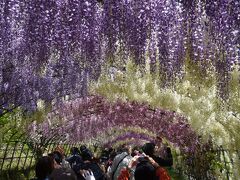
x,y
87,118
132,136
50,49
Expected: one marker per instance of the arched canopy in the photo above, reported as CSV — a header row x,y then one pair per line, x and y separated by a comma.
x,y
134,137
86,118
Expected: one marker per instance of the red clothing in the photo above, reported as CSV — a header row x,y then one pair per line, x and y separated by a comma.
x,y
160,172
124,174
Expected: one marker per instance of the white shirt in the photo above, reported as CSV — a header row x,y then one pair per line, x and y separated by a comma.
x,y
123,163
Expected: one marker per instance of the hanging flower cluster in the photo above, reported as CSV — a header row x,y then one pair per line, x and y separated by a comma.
x,y
50,48
137,137
83,119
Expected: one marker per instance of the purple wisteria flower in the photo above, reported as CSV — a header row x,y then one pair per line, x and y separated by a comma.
x,y
63,44
85,118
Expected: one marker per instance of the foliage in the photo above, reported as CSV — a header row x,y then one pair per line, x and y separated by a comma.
x,y
50,49
16,174
14,123
104,139
85,118
77,120
136,137
193,96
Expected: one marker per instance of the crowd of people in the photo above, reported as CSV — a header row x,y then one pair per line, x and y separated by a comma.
x,y
125,163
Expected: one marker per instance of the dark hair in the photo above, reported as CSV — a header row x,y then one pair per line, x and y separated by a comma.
x,y
112,155
82,148
123,148
86,155
44,167
63,174
168,150
145,171
75,150
148,149
57,157
134,149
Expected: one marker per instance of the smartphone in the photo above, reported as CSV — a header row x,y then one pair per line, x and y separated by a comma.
x,y
142,159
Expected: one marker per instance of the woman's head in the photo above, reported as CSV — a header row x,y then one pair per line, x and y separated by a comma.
x,y
149,149
87,155
60,150
75,150
125,148
44,167
82,148
56,156
145,170
136,151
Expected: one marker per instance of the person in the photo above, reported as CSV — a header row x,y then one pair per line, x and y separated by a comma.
x,y
56,159
63,173
149,149
136,151
60,151
44,168
87,175
109,163
90,164
120,161
146,169
75,160
150,169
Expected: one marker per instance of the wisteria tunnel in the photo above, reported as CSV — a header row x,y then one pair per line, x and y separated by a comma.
x,y
110,74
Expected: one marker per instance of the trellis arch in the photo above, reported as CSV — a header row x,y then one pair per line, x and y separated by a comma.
x,y
86,118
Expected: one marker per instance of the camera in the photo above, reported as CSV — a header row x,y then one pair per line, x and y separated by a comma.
x,y
143,159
